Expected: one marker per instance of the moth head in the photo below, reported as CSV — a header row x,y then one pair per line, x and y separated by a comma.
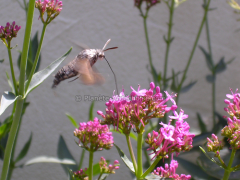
x,y
101,54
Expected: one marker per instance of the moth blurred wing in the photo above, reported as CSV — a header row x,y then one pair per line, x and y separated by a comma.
x,y
87,74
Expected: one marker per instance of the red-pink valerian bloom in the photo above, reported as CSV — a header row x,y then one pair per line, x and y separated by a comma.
x,y
149,3
231,131
170,172
108,169
215,145
9,31
128,113
81,174
93,136
51,7
171,138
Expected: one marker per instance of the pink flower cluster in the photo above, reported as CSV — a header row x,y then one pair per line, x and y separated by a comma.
x,y
126,113
170,172
93,136
104,168
9,31
51,7
232,130
215,145
81,174
171,138
150,3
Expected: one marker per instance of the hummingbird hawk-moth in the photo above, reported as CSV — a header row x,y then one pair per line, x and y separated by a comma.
x,y
82,66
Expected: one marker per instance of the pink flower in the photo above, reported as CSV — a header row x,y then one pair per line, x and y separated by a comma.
x,y
51,7
170,138
9,31
81,174
108,169
93,136
170,172
126,114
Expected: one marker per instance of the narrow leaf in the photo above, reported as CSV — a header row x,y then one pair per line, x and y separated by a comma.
x,y
64,153
9,82
155,177
7,99
24,150
201,124
72,120
188,87
47,159
40,76
104,176
90,114
128,163
192,168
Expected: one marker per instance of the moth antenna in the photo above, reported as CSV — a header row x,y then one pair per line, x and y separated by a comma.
x,y
114,76
110,48
106,44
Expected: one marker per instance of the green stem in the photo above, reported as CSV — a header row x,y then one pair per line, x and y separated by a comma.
x,y
150,169
139,153
11,67
90,166
20,101
228,170
131,152
145,16
168,42
81,159
213,72
36,57
193,50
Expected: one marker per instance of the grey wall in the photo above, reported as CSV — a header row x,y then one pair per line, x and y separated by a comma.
x,y
92,23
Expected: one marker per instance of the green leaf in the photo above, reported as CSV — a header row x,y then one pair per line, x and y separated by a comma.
x,y
213,169
90,114
4,131
7,99
40,76
104,176
24,150
201,124
128,163
34,51
72,120
10,82
156,177
96,169
1,60
188,87
64,153
211,158
193,169
31,55
48,159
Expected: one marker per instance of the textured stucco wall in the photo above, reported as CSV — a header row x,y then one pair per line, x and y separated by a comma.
x,y
92,23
